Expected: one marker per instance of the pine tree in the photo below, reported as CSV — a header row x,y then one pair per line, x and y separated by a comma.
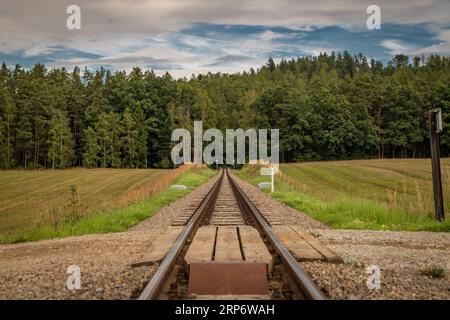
x,y
21,84
76,106
39,97
4,74
130,139
141,144
108,130
271,64
91,148
97,102
7,116
60,152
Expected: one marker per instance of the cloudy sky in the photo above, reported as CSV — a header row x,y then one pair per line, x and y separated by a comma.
x,y
197,36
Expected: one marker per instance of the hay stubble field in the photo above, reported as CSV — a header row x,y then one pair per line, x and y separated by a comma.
x,y
389,194
43,200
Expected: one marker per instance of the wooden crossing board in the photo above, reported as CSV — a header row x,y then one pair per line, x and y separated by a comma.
x,y
303,246
202,246
227,245
329,254
301,250
159,247
224,243
253,246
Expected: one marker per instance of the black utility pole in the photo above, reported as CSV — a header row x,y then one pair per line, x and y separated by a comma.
x,y
435,123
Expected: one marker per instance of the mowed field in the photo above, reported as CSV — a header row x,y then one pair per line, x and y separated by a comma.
x,y
33,199
392,194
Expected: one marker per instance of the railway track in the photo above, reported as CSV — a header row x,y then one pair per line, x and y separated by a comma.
x,y
227,249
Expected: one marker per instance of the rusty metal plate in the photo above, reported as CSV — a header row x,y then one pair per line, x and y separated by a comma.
x,y
228,278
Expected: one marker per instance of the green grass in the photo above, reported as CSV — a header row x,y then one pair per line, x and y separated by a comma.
x,y
29,198
376,195
434,272
116,220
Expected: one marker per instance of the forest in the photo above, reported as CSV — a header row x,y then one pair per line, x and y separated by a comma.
x,y
327,107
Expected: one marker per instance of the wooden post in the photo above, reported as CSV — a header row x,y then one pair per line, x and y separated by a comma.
x,y
436,165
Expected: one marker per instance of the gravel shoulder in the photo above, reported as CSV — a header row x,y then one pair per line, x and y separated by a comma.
x,y
400,256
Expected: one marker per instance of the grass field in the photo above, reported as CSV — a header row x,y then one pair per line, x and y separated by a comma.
x,y
38,205
362,194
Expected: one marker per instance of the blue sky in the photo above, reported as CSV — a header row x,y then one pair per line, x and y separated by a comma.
x,y
195,36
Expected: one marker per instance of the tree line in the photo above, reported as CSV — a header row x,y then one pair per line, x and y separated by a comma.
x,y
327,107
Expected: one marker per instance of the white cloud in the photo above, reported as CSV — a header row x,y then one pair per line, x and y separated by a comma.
x,y
443,47
396,47
270,35
37,49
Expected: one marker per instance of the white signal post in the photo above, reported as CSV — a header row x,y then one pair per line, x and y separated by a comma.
x,y
273,177
270,171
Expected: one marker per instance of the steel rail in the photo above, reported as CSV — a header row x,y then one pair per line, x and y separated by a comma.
x,y
304,283
152,289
